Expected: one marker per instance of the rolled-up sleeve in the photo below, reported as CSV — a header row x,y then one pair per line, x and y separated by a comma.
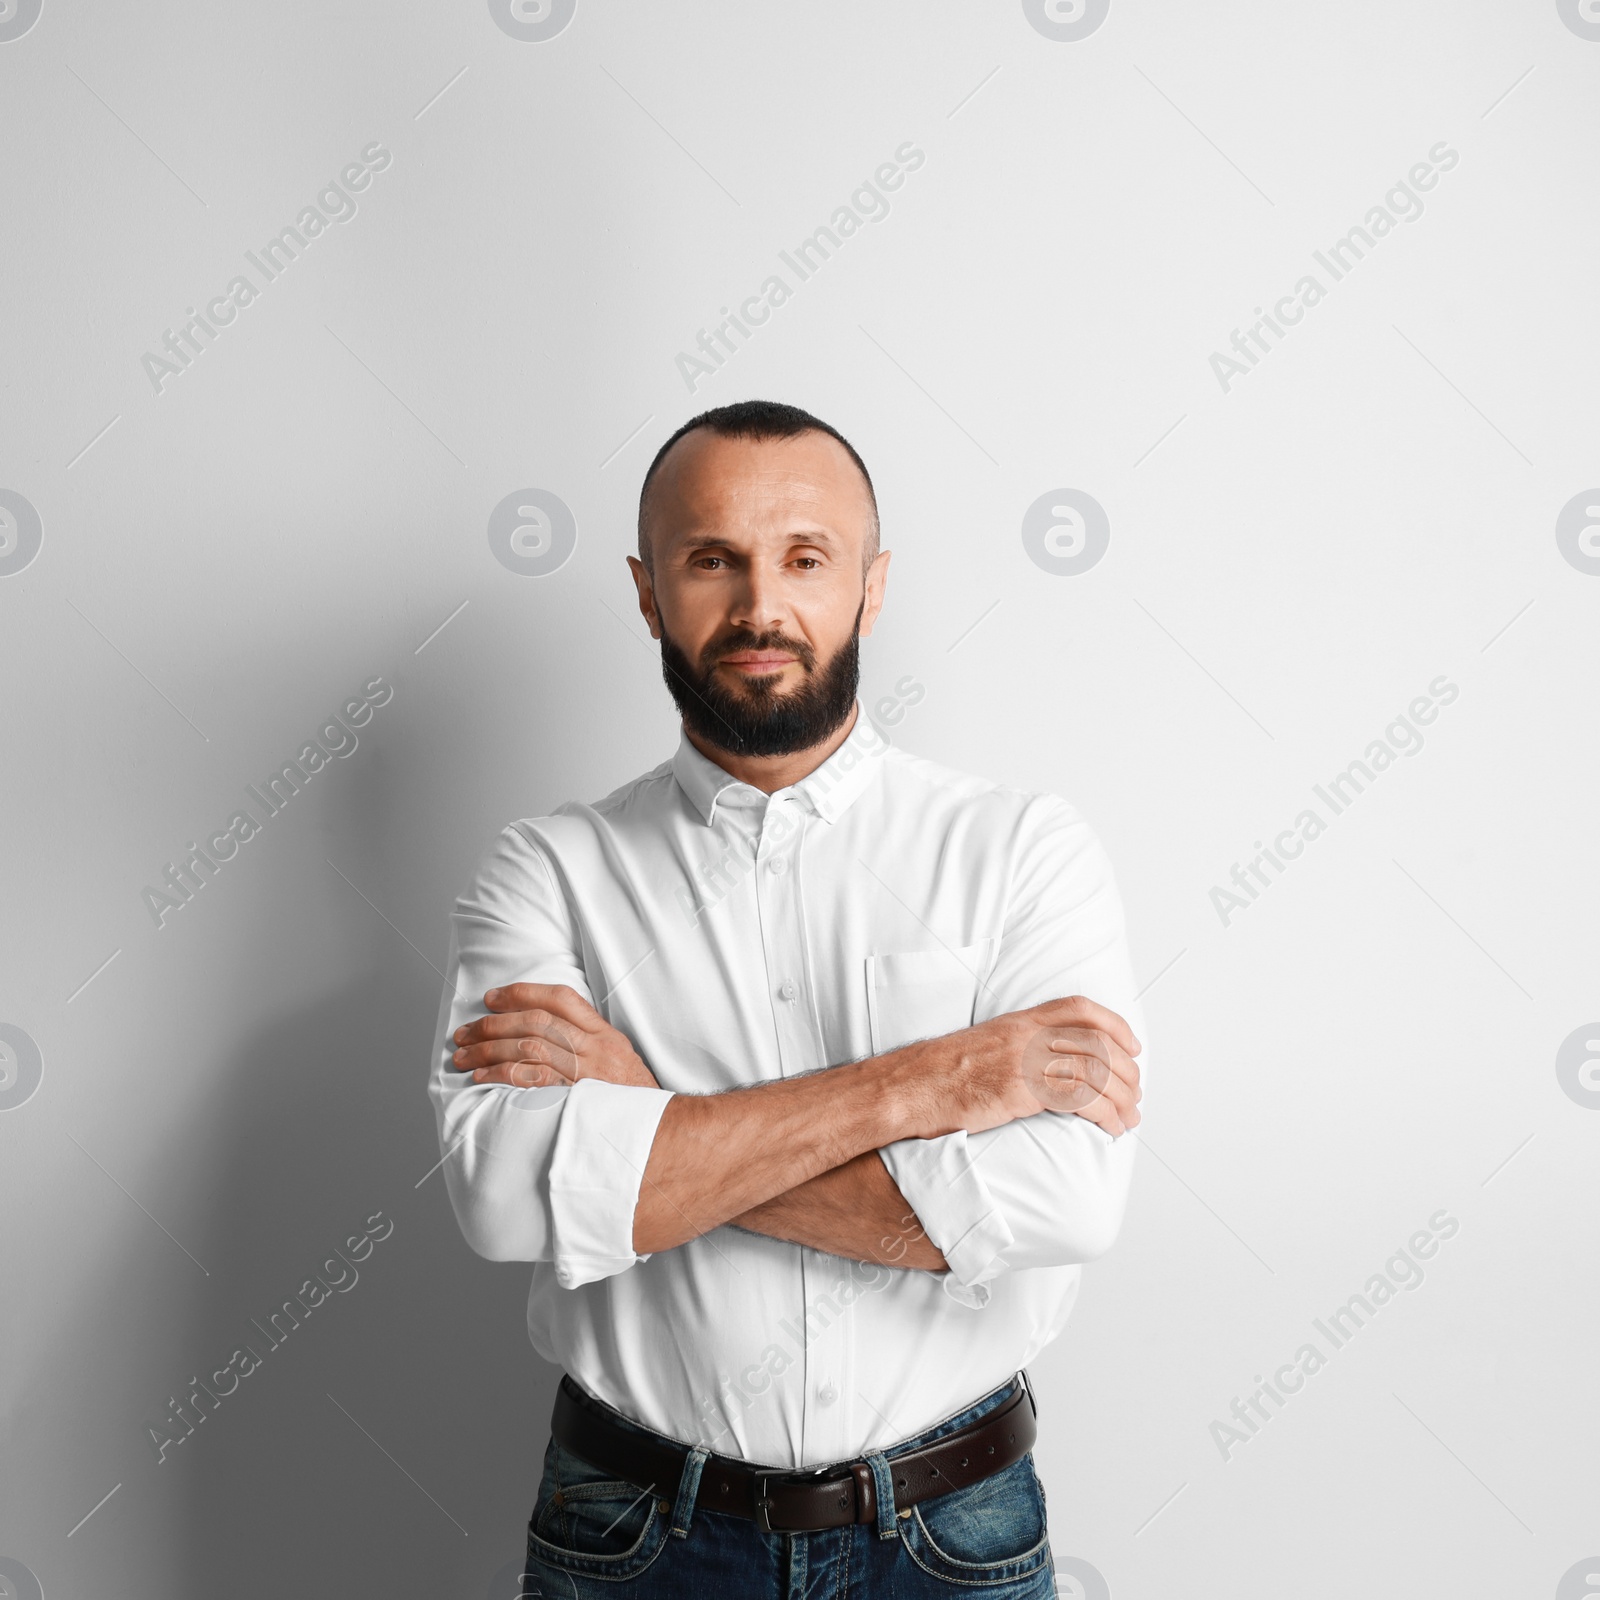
x,y
533,1174
1049,1190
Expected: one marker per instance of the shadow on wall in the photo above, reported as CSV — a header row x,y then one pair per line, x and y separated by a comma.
x,y
384,1433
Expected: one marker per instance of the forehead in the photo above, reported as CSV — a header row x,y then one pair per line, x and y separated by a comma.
x,y
751,489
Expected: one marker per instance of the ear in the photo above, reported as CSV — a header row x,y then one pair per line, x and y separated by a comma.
x,y
647,595
877,577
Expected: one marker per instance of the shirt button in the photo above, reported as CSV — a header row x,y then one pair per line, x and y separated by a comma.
x,y
786,991
778,865
827,1394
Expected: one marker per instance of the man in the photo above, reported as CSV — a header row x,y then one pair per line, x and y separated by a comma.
x,y
785,1081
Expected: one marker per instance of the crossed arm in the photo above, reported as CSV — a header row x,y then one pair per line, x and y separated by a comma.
x,y
797,1159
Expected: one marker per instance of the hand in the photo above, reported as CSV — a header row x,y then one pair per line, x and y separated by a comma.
x,y
1065,1055
542,1034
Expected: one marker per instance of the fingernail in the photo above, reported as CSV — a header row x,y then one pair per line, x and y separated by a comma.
x,y
457,1056
477,1076
492,996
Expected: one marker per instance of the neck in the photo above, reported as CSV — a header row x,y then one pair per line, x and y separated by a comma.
x,y
771,773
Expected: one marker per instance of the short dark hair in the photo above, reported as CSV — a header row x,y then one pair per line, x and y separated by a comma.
x,y
756,419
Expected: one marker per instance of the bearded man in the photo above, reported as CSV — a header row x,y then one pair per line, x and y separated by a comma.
x,y
796,1076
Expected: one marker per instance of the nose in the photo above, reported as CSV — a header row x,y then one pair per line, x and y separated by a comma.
x,y
758,604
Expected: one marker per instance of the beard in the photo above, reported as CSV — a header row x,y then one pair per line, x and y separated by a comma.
x,y
755,719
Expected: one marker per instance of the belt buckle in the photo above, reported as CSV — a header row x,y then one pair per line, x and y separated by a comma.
x,y
763,1505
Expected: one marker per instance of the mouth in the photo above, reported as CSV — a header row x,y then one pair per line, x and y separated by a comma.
x,y
757,663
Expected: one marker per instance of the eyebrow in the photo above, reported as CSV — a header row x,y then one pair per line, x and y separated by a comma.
x,y
706,541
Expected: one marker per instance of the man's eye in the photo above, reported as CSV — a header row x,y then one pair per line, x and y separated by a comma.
x,y
807,561
710,561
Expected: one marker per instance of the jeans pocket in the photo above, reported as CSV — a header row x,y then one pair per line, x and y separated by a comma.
x,y
992,1533
588,1523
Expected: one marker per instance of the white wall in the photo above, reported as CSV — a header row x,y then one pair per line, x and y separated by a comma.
x,y
1291,562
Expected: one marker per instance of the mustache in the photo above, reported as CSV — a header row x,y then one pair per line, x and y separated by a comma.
x,y
748,639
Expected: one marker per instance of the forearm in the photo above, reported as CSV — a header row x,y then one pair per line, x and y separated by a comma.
x,y
856,1211
717,1157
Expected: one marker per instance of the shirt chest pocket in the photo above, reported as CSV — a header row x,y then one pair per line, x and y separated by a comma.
x,y
920,994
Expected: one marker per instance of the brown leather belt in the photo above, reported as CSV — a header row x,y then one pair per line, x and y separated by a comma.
x,y
781,1501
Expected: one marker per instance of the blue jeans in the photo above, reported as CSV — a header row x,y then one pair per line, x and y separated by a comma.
x,y
592,1535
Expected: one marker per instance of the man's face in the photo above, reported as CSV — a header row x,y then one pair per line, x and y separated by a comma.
x,y
758,592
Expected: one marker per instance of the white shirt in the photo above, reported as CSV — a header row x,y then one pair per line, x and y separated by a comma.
x,y
736,939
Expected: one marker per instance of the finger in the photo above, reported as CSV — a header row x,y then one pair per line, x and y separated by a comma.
x,y
500,1052
1103,1114
1069,1092
559,998
521,1075
1087,1041
1079,1011
1085,1070
505,1025
1088,1085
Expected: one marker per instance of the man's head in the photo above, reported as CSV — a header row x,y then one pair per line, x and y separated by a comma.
x,y
759,570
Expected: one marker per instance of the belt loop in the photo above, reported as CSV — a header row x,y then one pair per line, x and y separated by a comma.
x,y
688,1491
883,1487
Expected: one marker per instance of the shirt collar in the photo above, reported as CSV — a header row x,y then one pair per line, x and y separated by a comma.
x,y
828,791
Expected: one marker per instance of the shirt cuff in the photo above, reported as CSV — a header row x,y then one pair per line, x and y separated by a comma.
x,y
596,1169
944,1187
